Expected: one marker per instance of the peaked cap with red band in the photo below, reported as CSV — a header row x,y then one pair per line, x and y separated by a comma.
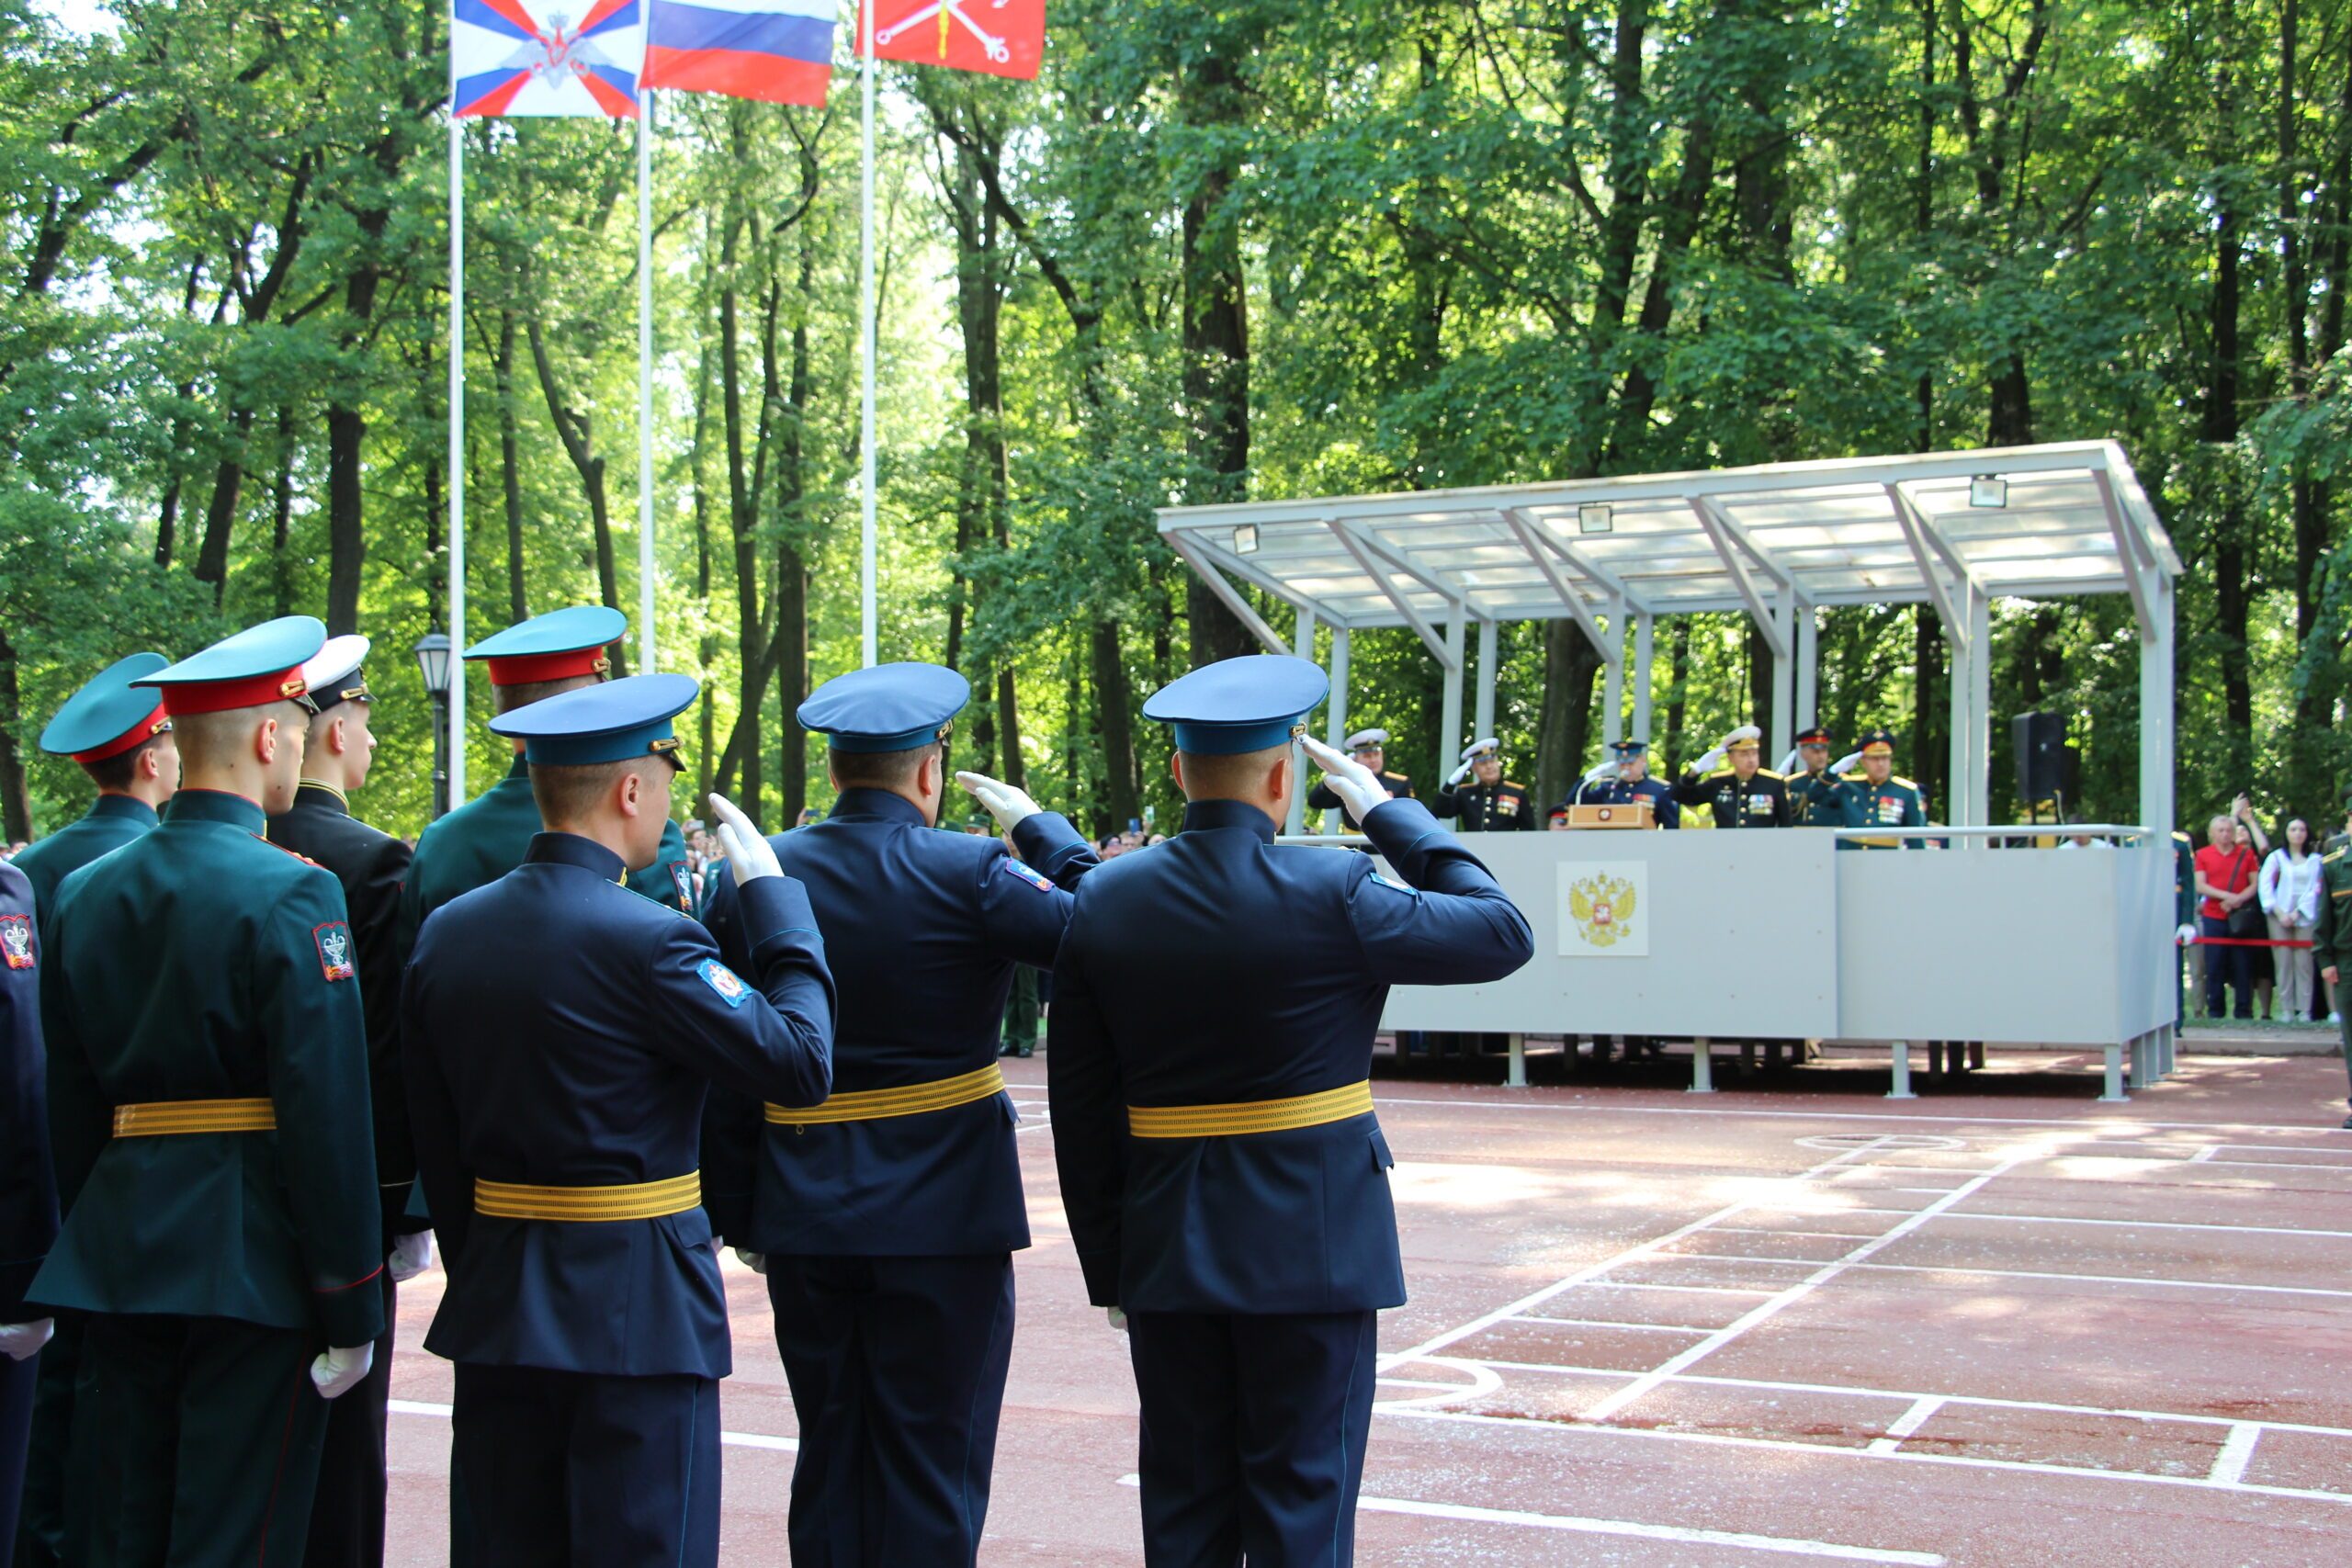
x,y
553,647
108,715
260,665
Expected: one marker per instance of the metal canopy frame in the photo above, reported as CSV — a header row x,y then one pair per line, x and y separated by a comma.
x,y
1773,542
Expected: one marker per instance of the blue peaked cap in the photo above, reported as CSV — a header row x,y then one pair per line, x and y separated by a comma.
x,y
1249,704
103,710
614,722
888,707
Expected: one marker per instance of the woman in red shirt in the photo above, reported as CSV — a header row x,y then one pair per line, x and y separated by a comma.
x,y
2225,879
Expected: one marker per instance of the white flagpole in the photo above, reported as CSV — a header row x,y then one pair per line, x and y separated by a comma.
x,y
867,622
457,711
645,379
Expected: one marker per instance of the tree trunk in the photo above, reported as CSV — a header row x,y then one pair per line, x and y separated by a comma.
x,y
1115,725
15,806
1215,339
509,472
577,432
282,521
1565,749
1926,758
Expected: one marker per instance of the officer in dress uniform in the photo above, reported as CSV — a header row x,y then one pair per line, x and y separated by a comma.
x,y
2332,940
1491,803
215,1155
28,1187
558,1034
1805,766
1875,797
1225,1179
1729,781
347,1514
1369,748
1626,778
485,838
887,1217
122,739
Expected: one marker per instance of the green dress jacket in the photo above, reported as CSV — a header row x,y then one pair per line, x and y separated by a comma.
x,y
205,963
2332,941
113,821
1897,803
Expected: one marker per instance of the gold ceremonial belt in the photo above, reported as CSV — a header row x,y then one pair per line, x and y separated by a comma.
x,y
910,1100
155,1118
629,1200
1251,1115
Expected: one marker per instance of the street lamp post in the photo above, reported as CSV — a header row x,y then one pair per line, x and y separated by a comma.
x,y
433,661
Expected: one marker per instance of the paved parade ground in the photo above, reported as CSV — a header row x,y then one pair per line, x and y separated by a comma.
x,y
1999,1324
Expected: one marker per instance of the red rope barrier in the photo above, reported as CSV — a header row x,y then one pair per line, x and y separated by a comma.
x,y
2240,941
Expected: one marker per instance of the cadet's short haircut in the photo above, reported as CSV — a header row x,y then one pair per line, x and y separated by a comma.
x,y
1241,775
118,772
569,793
880,770
221,740
506,699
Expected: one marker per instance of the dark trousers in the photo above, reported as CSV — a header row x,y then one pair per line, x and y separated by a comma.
x,y
1021,1009
347,1511
196,1444
573,1469
1253,1435
16,1380
2226,965
2344,1030
40,1522
898,1366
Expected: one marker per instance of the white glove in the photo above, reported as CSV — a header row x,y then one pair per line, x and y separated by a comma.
x,y
411,1256
22,1341
752,855
1118,1320
1357,786
1454,780
1709,763
1847,763
2183,935
1010,806
338,1372
1788,763
1602,770
757,1262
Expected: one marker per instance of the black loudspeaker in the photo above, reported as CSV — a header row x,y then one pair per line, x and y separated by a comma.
x,y
2045,766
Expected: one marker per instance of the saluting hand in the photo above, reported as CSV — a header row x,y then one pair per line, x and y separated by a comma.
x,y
1788,763
1600,771
1847,763
1454,780
1357,786
752,855
1710,762
1011,806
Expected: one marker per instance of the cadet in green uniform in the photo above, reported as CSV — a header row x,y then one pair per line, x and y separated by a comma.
x,y
118,734
215,1160
2332,941
1874,797
1491,803
486,838
347,1517
1803,768
1740,792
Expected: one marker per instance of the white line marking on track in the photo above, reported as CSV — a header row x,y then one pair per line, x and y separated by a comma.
x,y
1616,1323
1910,1421
2237,1452
2094,1125
731,1439
1789,1446
1682,1534
2038,1274
1772,1305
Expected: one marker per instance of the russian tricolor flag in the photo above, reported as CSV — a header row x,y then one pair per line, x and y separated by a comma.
x,y
780,51
531,57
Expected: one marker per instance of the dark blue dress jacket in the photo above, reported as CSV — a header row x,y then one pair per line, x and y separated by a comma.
x,y
1222,967
923,930
27,1184
558,1030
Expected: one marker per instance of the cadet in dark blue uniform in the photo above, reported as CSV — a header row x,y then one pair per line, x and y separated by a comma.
x,y
1209,1056
485,838
347,1514
28,1185
1626,779
888,1216
215,1161
120,735
558,1034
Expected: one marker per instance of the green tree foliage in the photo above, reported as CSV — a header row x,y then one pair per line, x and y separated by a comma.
x,y
1252,249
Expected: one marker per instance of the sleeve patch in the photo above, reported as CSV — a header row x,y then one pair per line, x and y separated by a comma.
x,y
1391,884
1028,873
17,941
723,980
685,884
334,950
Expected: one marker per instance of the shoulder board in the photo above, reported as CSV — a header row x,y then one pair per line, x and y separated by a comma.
x,y
1897,778
2335,854
1770,774
2179,837
1858,776
281,849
